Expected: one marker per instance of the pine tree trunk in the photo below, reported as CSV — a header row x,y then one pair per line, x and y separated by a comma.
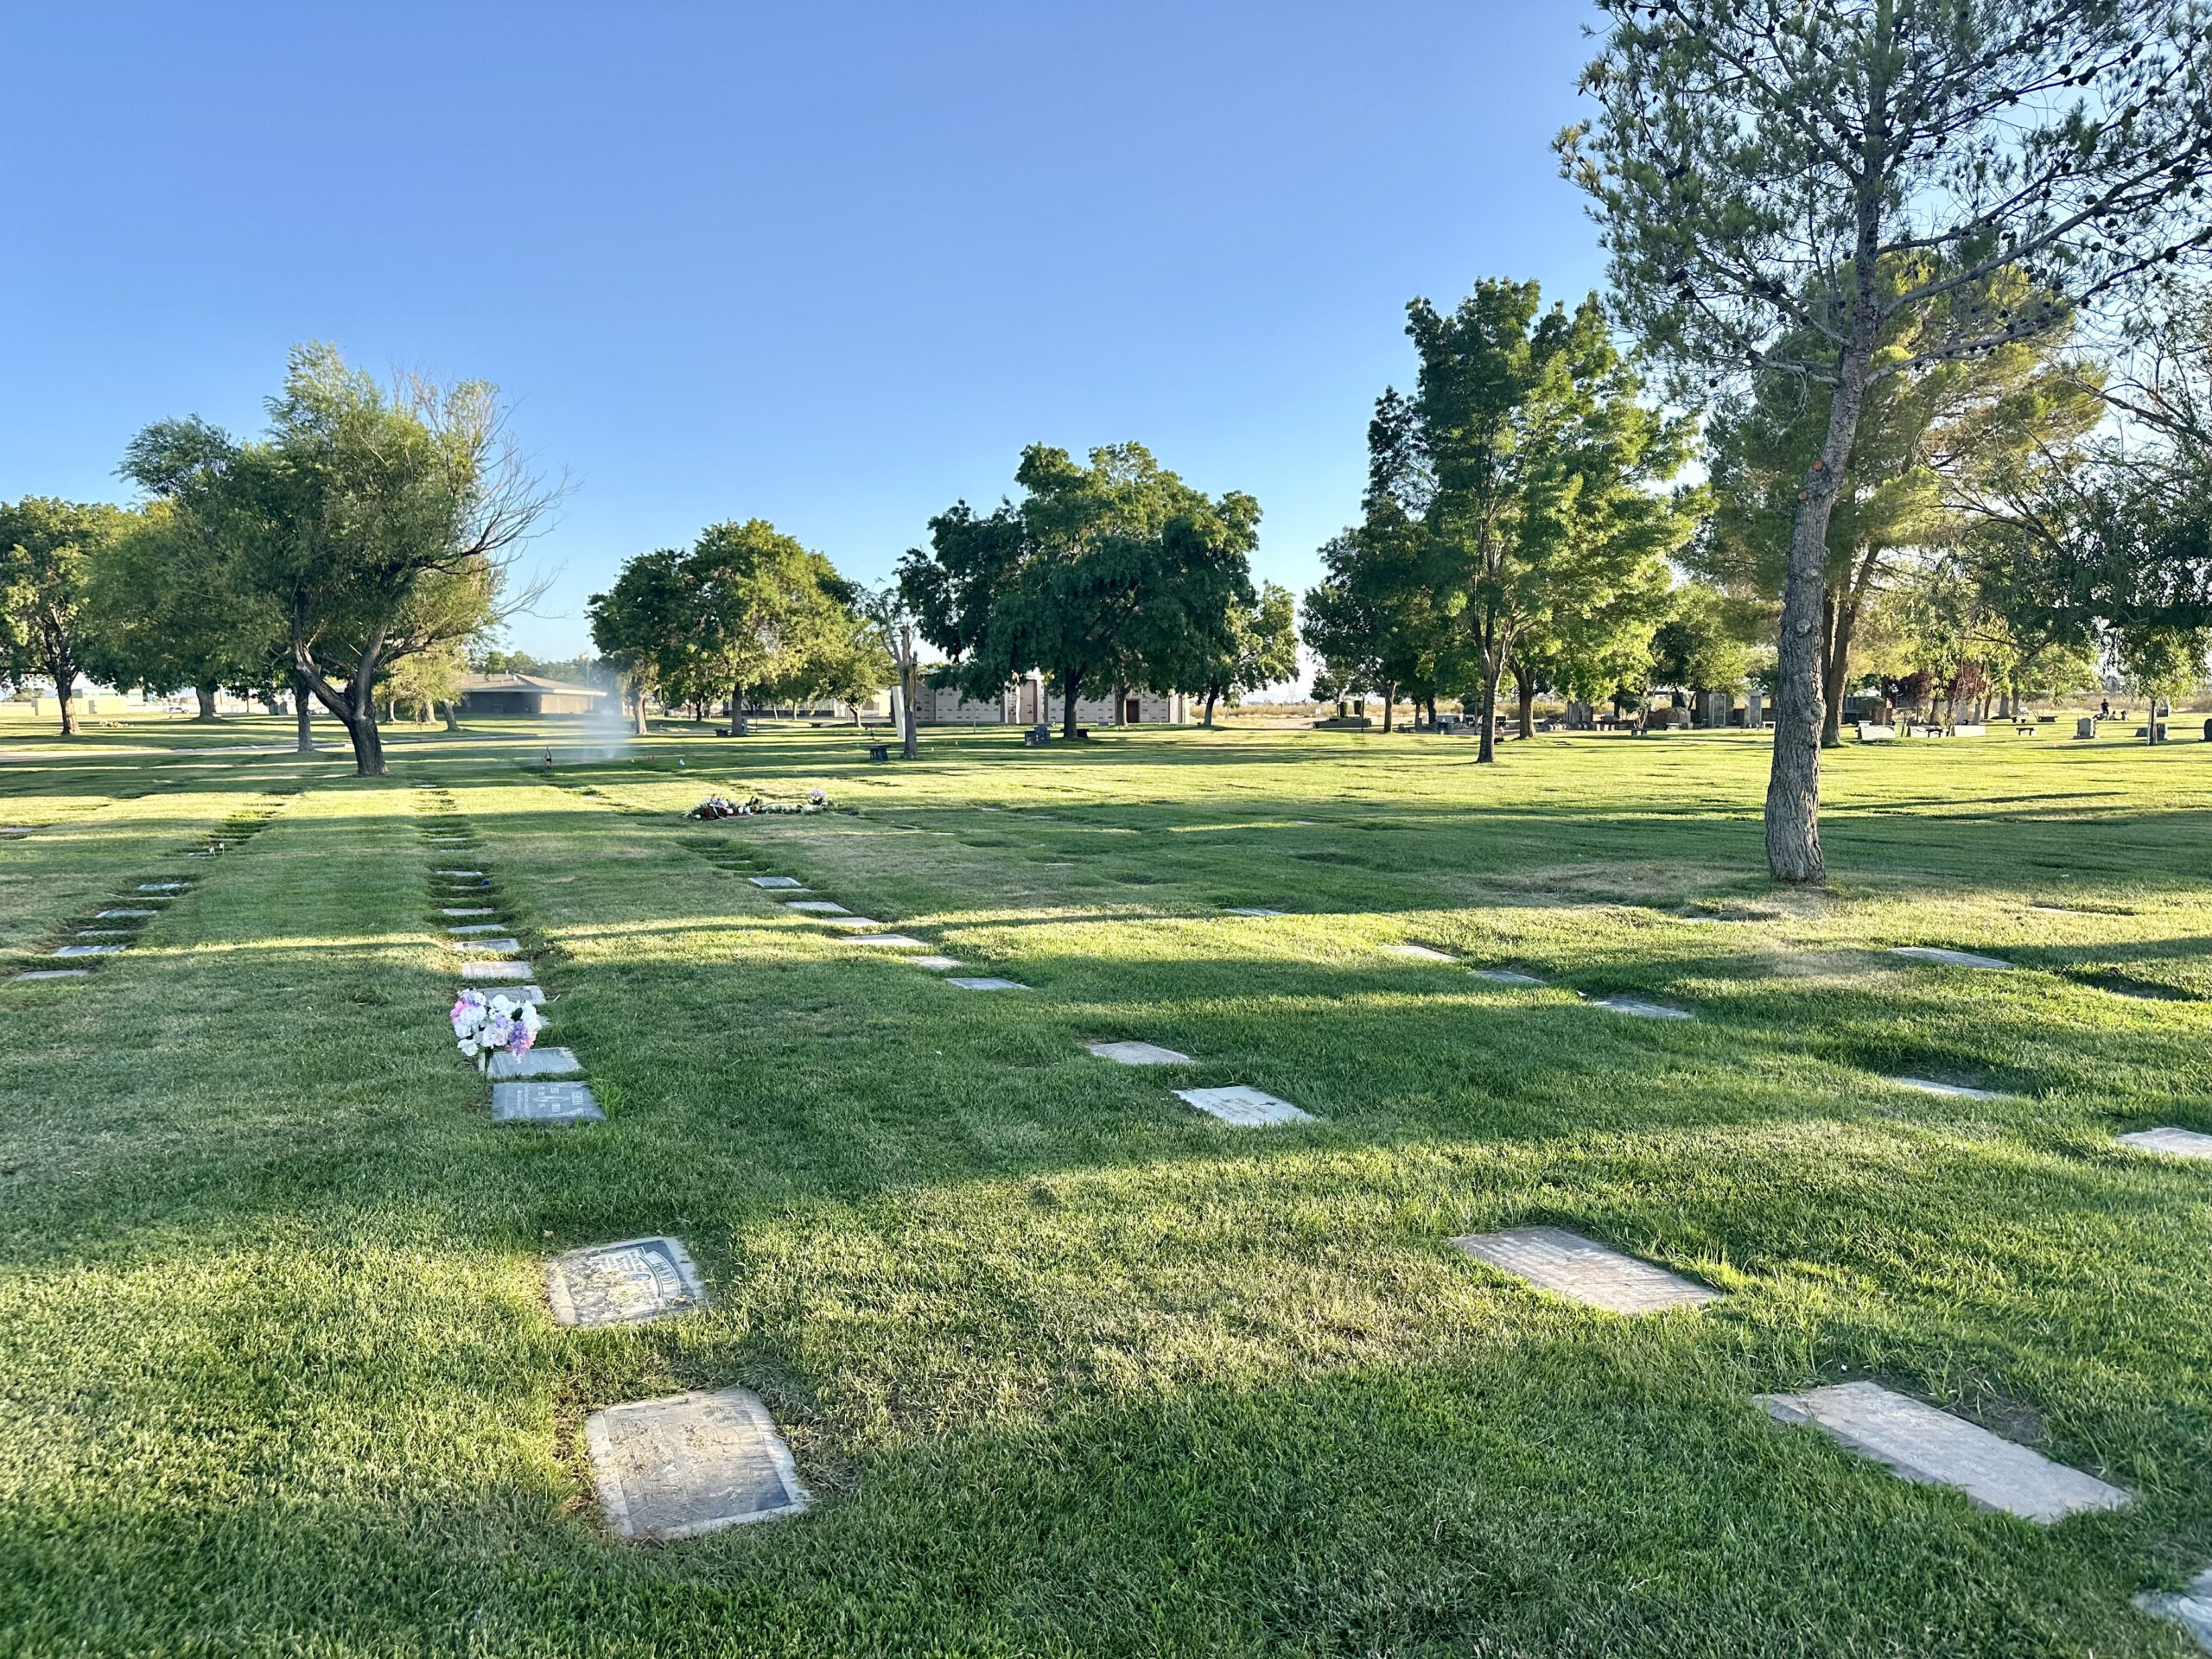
x,y
206,695
1793,792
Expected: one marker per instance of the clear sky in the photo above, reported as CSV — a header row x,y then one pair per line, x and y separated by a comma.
x,y
831,266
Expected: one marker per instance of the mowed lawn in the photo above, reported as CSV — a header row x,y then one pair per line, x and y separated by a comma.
x,y
1069,1367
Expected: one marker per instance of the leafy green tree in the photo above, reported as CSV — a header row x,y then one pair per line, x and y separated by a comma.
x,y
1261,650
1116,574
763,616
48,550
1530,465
639,626
173,615
380,525
896,627
1757,166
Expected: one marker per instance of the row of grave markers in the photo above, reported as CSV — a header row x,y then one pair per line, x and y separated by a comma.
x,y
124,921
703,1460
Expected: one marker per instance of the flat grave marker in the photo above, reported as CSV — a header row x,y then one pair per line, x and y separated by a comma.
x,y
139,911
530,994
819,906
1642,1010
775,881
463,932
1920,1443
623,1283
534,1063
1250,910
1505,976
544,1103
889,941
160,887
1420,953
2192,1609
519,971
935,964
464,876
1246,1107
1951,958
1139,1054
102,933
1585,1271
850,922
1952,1090
987,982
692,1463
466,910
2175,1143
56,973
89,950
502,947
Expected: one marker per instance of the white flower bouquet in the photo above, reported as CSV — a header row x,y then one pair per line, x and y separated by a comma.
x,y
487,1025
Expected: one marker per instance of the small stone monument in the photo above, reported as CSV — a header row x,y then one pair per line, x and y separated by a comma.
x,y
2175,1143
534,1063
1585,1271
544,1103
1246,1107
1139,1054
1951,958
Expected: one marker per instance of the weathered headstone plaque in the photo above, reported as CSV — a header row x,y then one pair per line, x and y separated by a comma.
x,y
624,1283
987,983
775,881
534,1063
471,928
1585,1271
466,910
57,973
1419,953
506,947
465,875
496,972
1954,1090
1139,1054
89,950
2175,1143
102,933
2192,1609
890,941
160,887
1950,958
1506,976
1245,1106
140,911
1641,1010
1922,1444
1249,910
935,964
544,1103
819,906
850,923
693,1463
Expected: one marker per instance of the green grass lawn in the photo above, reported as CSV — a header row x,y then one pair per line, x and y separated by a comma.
x,y
1069,1367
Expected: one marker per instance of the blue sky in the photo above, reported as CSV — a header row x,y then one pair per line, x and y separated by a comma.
x,y
827,266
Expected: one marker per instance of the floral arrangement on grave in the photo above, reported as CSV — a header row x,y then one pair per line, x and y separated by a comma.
x,y
485,1026
716,806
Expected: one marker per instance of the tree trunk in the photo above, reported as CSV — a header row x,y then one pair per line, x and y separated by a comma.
x,y
1073,683
737,726
909,680
63,694
1389,705
453,715
1210,697
1488,753
1793,791
638,707
206,695
1525,697
303,713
